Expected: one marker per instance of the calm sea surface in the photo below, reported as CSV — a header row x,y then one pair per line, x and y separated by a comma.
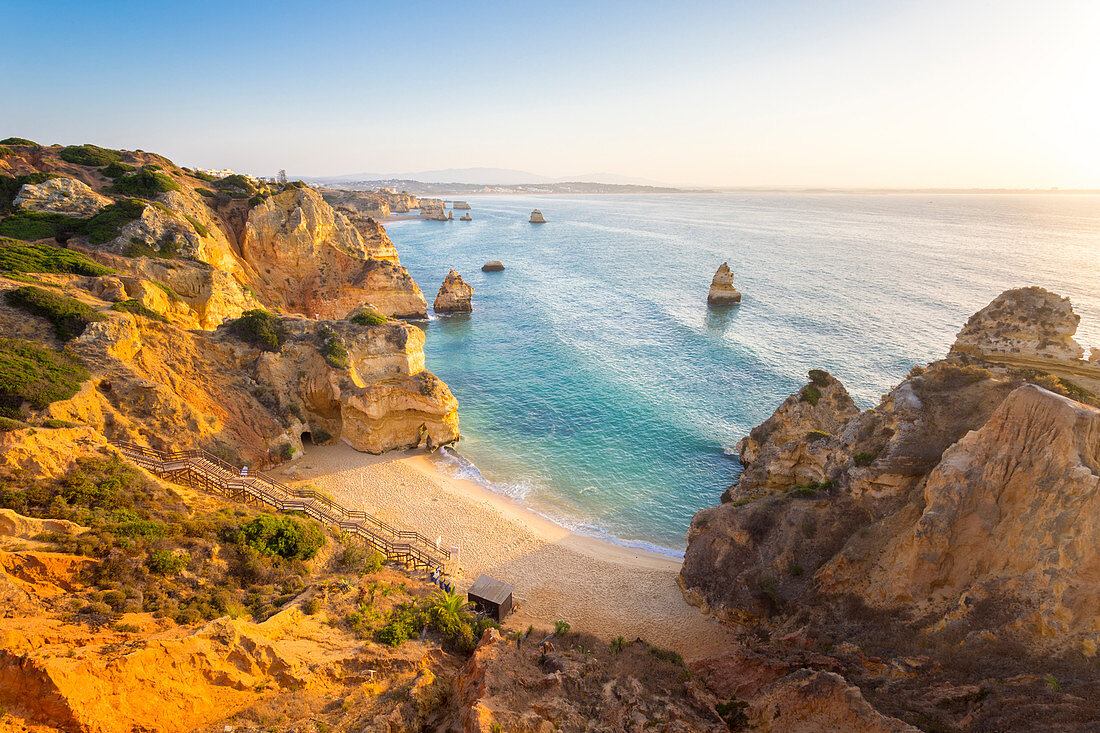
x,y
595,385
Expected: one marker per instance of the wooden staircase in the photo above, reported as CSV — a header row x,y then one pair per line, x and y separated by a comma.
x,y
205,471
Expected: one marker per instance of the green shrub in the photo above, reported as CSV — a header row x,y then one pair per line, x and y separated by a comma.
x,y
237,181
137,308
31,225
108,223
19,141
820,377
145,183
68,315
204,177
198,226
164,562
733,713
287,537
55,424
321,436
561,626
206,192
117,170
7,425
864,458
808,491
369,317
335,353
165,249
286,450
97,607
810,394
90,155
667,655
261,329
20,257
5,150
312,607
1066,388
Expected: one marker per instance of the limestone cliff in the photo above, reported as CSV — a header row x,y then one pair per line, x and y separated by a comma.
x,y
433,209
954,516
722,291
454,295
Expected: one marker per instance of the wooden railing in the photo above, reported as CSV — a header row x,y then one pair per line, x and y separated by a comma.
x,y
206,471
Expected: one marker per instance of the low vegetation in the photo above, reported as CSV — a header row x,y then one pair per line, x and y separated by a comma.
x,y
138,309
10,185
101,228
237,181
261,329
117,170
1066,388
198,226
108,223
333,350
445,613
864,458
165,248
34,374
820,377
368,317
21,257
145,183
810,394
159,556
19,141
90,155
68,315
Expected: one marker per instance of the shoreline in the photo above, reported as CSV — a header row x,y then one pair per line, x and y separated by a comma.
x,y
596,585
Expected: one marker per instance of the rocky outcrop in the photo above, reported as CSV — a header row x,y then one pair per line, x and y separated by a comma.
x,y
61,195
433,209
454,295
460,206
466,217
537,217
311,260
722,291
942,498
787,449
1022,323
810,701
493,266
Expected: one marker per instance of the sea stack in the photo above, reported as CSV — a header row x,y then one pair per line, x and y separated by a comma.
x,y
493,266
537,217
722,291
454,295
466,217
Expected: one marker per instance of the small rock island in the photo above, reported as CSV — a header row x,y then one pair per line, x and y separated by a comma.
x,y
454,295
460,205
537,217
466,217
493,266
722,291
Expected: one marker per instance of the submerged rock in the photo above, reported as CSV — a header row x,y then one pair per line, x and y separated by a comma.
x,y
537,217
454,295
722,291
493,266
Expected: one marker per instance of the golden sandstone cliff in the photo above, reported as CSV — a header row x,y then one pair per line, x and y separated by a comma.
x,y
947,536
170,261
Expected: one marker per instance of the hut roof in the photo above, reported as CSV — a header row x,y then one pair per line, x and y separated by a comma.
x,y
494,591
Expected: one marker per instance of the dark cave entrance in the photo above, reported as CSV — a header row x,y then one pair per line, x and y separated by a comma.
x,y
307,436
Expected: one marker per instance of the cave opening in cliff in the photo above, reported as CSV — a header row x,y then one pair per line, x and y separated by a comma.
x,y
306,435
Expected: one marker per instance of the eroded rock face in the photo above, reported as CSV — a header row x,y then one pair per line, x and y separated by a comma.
x,y
433,209
62,195
537,217
311,259
1022,323
454,295
961,489
722,291
810,701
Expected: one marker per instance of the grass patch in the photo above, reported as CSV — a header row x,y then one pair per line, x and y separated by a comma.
x,y
108,223
261,329
117,170
19,141
68,315
138,309
19,257
55,424
7,424
90,155
198,226
145,183
32,225
34,374
810,394
368,317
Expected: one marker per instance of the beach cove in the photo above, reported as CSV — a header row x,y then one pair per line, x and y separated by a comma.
x,y
597,586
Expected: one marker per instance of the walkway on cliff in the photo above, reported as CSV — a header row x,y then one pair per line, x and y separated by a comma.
x,y
205,471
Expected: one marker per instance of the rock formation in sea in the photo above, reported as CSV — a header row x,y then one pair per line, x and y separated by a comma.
x,y
433,209
493,266
454,295
954,517
537,217
722,291
460,206
466,217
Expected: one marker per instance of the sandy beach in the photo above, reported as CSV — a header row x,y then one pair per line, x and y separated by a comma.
x,y
597,586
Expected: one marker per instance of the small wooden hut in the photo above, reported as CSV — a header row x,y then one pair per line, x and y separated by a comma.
x,y
491,597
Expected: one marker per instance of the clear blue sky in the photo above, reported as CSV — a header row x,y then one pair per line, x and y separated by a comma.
x,y
952,92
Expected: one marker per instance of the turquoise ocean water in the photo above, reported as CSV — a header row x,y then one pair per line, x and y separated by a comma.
x,y
595,385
